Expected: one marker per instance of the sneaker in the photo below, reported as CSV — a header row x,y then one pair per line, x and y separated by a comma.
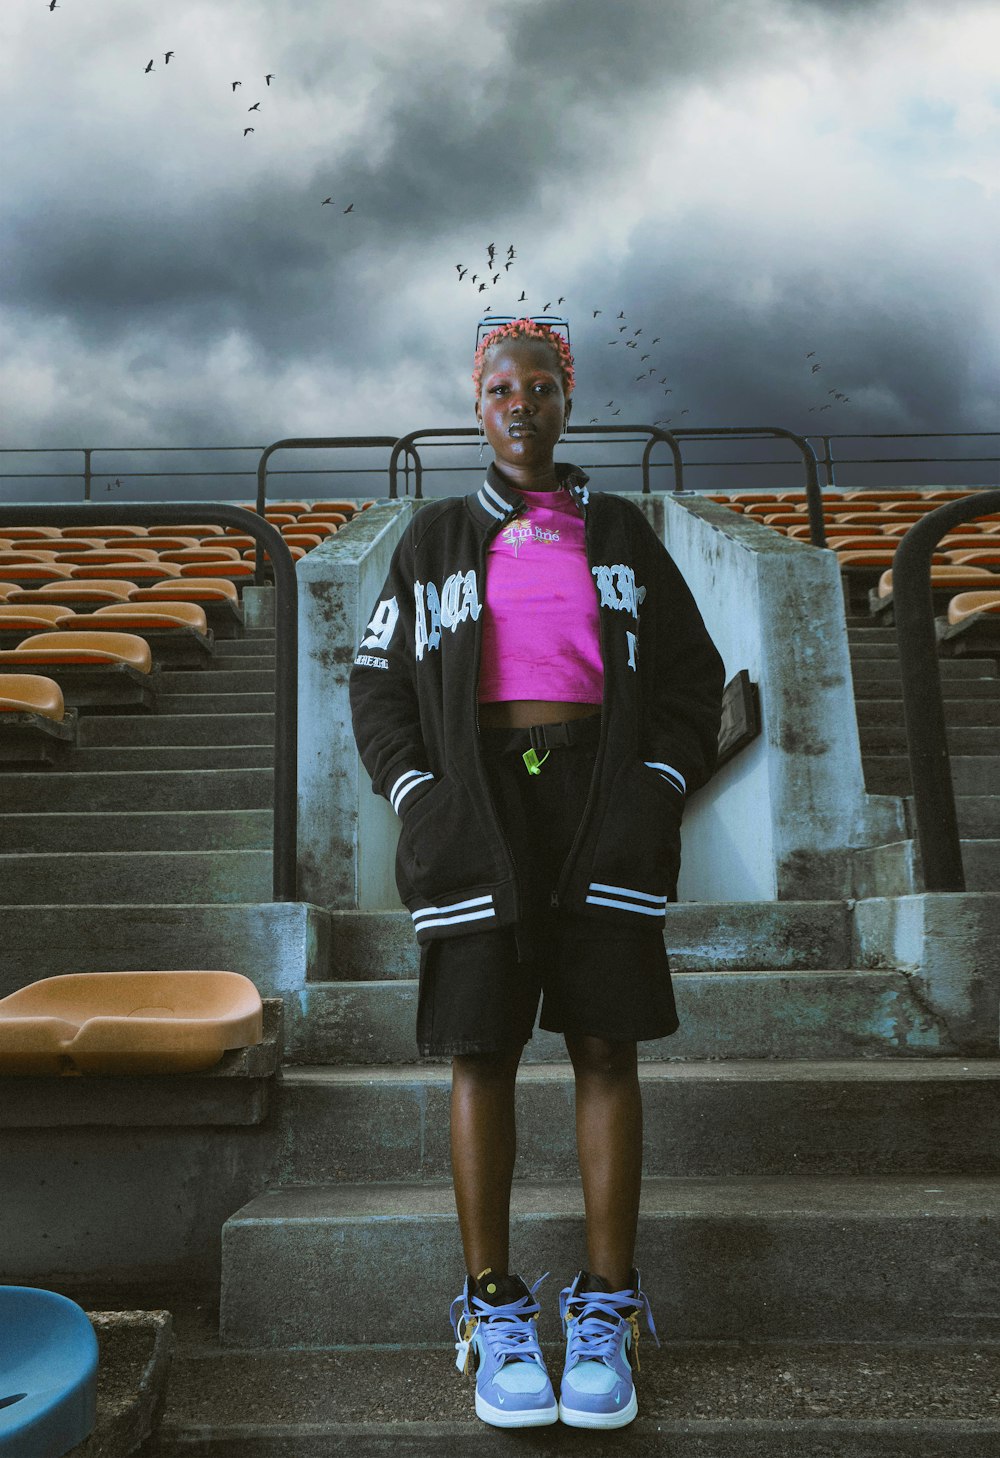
x,y
495,1323
602,1338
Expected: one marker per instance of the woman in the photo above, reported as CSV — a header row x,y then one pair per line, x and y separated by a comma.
x,y
535,694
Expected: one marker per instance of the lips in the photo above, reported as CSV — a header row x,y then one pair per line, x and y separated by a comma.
x,y
516,430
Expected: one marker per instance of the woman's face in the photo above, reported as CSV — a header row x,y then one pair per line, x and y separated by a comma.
x,y
522,405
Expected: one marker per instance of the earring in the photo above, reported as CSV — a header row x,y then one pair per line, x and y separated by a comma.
x,y
482,441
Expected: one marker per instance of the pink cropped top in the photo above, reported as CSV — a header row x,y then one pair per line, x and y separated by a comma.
x,y
541,636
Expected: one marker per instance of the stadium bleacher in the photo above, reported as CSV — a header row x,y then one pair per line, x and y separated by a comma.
x,y
824,1122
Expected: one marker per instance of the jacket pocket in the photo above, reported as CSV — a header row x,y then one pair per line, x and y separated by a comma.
x,y
638,851
440,845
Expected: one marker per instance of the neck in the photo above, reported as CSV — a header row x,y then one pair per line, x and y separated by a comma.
x,y
526,479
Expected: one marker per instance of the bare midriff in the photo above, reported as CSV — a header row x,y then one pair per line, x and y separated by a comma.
x,y
522,713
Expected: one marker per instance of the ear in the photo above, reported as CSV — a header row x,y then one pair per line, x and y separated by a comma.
x,y
479,413
569,410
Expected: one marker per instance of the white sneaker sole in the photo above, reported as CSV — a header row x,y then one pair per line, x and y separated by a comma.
x,y
577,1418
501,1417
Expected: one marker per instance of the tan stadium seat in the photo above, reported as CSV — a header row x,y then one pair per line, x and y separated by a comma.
x,y
158,544
320,527
49,612
239,540
7,591
114,555
888,495
966,604
280,518
87,544
975,556
233,570
347,507
292,507
12,558
68,593
106,531
877,557
193,589
803,532
302,539
861,542
35,727
783,518
31,693
876,519
202,554
67,647
190,614
295,552
115,1023
196,530
335,518
19,572
943,576
130,571
29,533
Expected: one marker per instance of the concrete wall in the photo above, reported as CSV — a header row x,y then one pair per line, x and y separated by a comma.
x,y
346,835
778,821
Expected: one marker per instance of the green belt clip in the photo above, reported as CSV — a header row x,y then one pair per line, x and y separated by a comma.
x,y
532,763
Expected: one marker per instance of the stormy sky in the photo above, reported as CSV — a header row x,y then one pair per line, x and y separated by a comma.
x,y
763,186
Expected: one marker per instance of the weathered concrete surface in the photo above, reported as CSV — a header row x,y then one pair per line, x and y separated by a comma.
x,y
946,946
850,1117
148,877
235,1091
347,837
135,1350
695,1401
724,1015
777,819
743,1259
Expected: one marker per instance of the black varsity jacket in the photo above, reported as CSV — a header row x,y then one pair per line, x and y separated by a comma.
x,y
414,703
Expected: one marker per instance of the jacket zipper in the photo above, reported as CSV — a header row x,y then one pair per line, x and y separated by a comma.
x,y
566,871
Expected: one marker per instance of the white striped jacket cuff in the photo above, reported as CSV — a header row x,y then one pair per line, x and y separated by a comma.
x,y
673,777
404,785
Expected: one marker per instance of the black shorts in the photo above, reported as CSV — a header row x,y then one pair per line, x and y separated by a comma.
x,y
479,993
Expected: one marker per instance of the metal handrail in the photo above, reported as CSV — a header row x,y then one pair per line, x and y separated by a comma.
x,y
300,443
406,443
923,705
285,637
814,496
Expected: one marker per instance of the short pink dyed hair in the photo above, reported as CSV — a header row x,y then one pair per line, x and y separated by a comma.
x,y
526,329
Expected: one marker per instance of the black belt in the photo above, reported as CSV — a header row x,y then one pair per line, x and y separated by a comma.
x,y
570,734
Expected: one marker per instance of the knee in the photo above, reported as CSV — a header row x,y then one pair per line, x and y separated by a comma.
x,y
480,1070
602,1058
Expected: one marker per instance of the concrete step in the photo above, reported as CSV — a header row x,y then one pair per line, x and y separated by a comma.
x,y
100,730
956,711
704,1119
962,738
190,830
700,936
889,687
894,869
276,943
865,669
214,680
152,789
864,651
889,774
128,877
248,645
244,662
214,703
122,759
978,815
697,1400
807,1258
981,862
724,1015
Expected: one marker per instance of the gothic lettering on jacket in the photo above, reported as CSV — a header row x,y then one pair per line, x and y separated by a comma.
x,y
457,601
380,629
618,589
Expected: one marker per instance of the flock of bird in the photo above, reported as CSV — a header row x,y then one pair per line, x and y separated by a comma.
x,y
485,280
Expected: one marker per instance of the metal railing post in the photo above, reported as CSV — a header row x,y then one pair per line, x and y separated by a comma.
x,y
86,473
923,705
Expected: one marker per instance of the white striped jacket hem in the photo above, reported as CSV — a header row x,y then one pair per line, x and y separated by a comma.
x,y
623,898
477,908
405,784
673,777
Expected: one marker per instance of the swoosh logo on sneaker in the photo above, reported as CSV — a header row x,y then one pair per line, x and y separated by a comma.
x,y
618,1395
500,1398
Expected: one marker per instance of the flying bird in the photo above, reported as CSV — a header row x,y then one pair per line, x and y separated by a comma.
x,y
642,357
269,77
491,248
480,288
810,354
54,6
815,368
495,277
609,405
523,297
685,412
561,299
247,129
234,84
546,307
622,329
255,107
325,201
639,377
474,277
593,420
461,272
507,264
656,340
149,68
349,208
598,311
622,314
668,392
637,333
166,57
510,251
617,412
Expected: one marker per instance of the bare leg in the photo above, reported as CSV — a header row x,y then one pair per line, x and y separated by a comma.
x,y
483,1145
609,1147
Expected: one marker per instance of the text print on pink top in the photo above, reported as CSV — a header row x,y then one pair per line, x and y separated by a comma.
x,y
541,634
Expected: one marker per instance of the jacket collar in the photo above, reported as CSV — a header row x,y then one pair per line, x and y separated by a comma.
x,y
496,500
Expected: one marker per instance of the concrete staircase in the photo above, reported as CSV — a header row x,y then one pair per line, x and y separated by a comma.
x,y
821,1218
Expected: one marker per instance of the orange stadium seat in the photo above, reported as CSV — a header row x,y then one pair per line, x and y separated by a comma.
x,y
234,571
93,669
965,604
347,507
318,526
218,597
18,622
296,552
128,1023
942,577
982,556
177,632
35,727
220,553
62,646
301,539
19,572
129,571
158,544
114,555
70,593
105,531
195,530
29,533
12,558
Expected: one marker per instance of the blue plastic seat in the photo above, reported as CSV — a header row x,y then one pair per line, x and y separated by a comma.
x,y
48,1373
